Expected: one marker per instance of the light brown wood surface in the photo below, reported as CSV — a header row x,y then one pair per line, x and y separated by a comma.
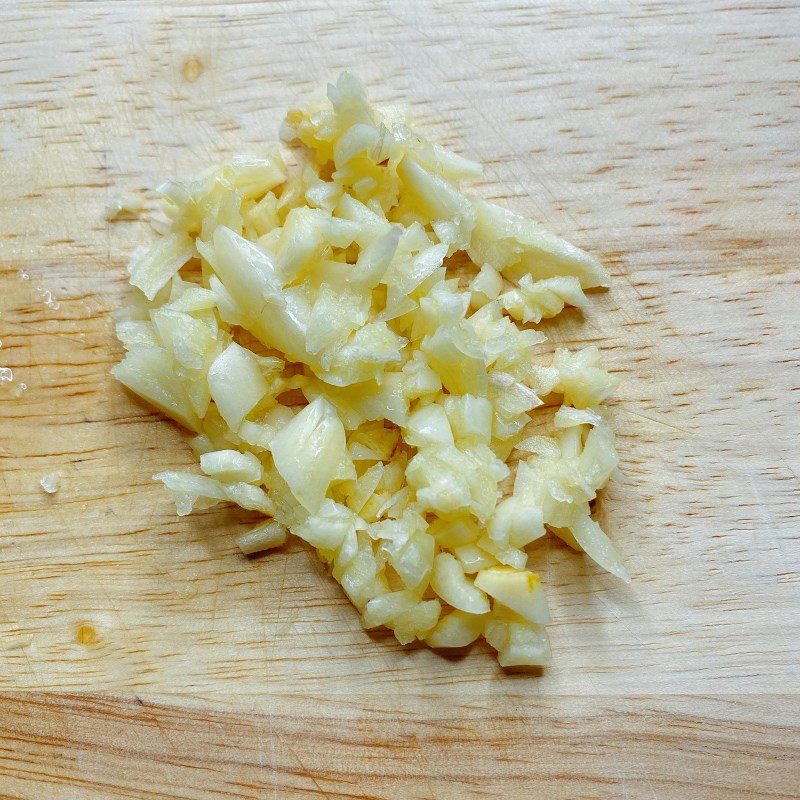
x,y
661,136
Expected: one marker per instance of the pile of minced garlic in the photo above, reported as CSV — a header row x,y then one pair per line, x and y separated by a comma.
x,y
342,378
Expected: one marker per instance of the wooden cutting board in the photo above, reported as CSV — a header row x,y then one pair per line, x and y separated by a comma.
x,y
143,657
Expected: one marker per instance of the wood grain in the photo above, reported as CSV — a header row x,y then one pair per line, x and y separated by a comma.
x,y
567,747
663,137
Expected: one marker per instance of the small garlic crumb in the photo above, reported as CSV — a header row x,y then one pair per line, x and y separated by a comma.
x,y
124,206
486,286
262,537
6,375
50,482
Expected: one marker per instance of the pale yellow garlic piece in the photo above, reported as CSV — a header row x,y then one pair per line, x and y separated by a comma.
x,y
362,489
486,286
149,372
515,522
329,527
266,536
532,301
363,579
191,491
590,537
452,585
581,379
505,553
417,622
456,629
517,246
455,355
518,641
231,466
310,451
253,498
473,559
254,175
124,206
455,532
152,267
437,198
519,590
236,383
386,607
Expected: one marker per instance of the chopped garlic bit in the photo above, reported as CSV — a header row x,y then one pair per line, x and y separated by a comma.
x,y
266,536
124,206
50,482
308,327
